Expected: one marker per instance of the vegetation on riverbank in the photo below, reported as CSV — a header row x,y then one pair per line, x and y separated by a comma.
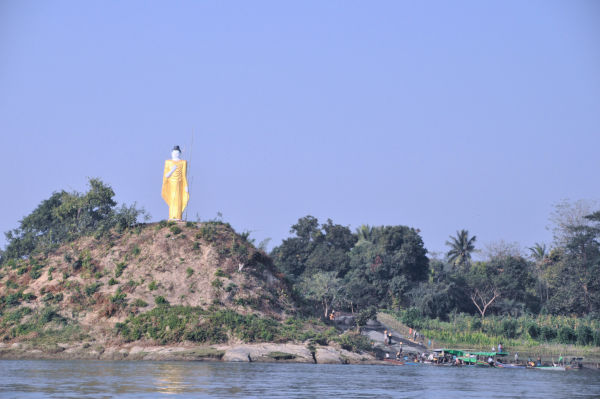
x,y
543,296
79,268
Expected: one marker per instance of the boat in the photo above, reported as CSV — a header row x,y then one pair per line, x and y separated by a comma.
x,y
510,366
575,363
394,362
555,368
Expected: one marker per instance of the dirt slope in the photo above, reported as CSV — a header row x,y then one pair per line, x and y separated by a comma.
x,y
94,283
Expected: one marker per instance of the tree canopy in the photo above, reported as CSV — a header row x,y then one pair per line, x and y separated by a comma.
x,y
66,216
388,267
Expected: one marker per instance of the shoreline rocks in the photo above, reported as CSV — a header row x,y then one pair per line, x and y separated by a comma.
x,y
263,352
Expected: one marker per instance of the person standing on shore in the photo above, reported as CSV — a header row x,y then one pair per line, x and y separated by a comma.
x,y
516,357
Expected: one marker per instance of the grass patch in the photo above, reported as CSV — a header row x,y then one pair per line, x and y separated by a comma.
x,y
140,303
220,273
206,353
119,269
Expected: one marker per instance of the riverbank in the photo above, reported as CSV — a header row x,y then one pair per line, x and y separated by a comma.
x,y
264,352
548,352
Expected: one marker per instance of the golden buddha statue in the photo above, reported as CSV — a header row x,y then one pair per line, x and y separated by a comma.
x,y
175,186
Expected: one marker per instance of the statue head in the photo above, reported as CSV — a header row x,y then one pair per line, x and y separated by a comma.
x,y
175,153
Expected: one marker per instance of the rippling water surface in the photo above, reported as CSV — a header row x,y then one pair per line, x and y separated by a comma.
x,y
99,379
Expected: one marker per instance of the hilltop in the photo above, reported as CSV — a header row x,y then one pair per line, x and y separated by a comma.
x,y
154,291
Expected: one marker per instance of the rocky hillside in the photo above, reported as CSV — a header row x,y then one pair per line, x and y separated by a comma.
x,y
93,284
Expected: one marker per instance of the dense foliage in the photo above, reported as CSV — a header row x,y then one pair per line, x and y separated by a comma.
x,y
387,267
336,268
171,324
472,331
66,216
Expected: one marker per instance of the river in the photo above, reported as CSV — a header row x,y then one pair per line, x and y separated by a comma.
x,y
104,379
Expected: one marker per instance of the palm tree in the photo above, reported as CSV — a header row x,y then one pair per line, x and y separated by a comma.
x,y
461,248
539,254
538,251
365,232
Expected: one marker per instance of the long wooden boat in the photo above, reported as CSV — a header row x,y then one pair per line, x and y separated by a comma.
x,y
510,366
394,362
555,368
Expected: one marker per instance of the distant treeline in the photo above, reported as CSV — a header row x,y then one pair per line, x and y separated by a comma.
x,y
387,267
375,267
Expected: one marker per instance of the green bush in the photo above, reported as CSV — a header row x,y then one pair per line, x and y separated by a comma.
x,y
189,271
509,328
220,273
28,296
140,303
207,232
48,314
119,298
566,335
475,323
152,286
119,269
48,297
35,274
547,333
160,300
412,318
585,335
217,283
14,317
112,281
136,251
354,342
175,230
230,287
533,330
92,288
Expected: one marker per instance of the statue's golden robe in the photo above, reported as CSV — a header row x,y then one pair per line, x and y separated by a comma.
x,y
175,188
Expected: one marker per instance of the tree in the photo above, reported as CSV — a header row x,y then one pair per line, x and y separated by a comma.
x,y
538,252
314,248
483,289
66,216
461,248
572,270
364,233
483,297
386,262
322,287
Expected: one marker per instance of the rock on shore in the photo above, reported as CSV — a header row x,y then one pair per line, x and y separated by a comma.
x,y
265,352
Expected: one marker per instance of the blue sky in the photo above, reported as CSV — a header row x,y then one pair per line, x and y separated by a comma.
x,y
438,115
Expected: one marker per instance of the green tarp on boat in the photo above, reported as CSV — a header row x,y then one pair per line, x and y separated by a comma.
x,y
492,354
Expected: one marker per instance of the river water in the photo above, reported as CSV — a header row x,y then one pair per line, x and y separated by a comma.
x,y
103,379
